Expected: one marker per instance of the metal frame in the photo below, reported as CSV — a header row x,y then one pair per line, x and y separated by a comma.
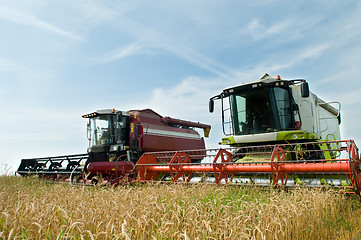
x,y
280,162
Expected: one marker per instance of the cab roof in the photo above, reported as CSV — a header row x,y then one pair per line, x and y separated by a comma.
x,y
104,112
266,79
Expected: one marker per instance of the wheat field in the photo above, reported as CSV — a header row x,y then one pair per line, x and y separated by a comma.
x,y
34,209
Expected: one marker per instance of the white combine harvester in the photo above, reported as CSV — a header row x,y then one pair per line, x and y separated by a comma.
x,y
278,133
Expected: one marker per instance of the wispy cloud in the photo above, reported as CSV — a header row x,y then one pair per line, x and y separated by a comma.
x,y
285,29
153,41
301,54
178,50
198,59
192,94
32,21
314,51
260,31
132,49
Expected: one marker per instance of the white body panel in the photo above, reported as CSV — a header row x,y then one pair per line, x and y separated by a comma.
x,y
261,137
317,116
328,123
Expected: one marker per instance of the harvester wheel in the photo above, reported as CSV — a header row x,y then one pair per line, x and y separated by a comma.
x,y
176,170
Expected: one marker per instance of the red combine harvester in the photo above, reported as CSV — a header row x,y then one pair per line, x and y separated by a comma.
x,y
117,139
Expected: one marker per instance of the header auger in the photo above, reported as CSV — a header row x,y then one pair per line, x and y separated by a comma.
x,y
264,165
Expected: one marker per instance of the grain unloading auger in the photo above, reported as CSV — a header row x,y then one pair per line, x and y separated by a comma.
x,y
338,165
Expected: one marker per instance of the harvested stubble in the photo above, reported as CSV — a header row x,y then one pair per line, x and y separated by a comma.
x,y
33,209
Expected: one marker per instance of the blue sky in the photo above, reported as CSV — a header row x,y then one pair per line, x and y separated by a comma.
x,y
62,59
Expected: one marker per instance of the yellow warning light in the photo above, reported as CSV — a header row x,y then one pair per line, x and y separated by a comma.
x,y
278,77
113,110
206,132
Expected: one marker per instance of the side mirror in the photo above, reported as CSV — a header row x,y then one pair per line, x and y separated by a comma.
x,y
305,91
88,131
211,105
119,116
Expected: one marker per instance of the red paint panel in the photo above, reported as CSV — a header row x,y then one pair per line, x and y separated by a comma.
x,y
146,116
152,143
152,134
116,168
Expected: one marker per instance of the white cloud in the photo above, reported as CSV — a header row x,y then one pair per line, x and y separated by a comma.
x,y
132,49
313,52
186,53
188,100
299,55
259,30
152,41
192,92
278,30
32,21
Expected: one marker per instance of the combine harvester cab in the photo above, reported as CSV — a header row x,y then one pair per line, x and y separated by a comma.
x,y
279,132
273,110
117,139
